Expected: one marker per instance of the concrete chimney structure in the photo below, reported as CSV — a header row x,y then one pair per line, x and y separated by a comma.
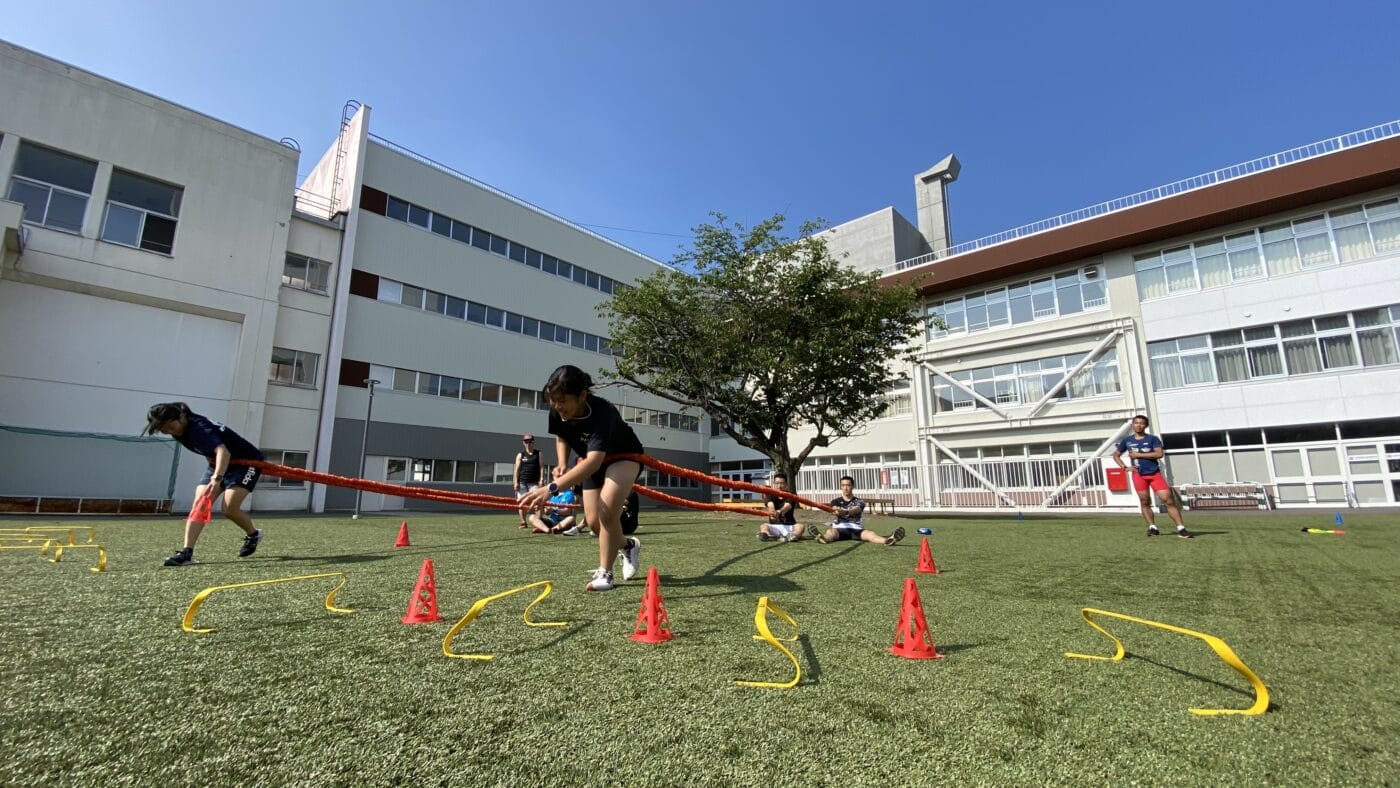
x,y
931,186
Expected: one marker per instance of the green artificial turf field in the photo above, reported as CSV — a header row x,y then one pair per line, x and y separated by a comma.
x,y
103,687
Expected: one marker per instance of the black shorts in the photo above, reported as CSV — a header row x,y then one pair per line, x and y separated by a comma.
x,y
236,476
595,482
846,531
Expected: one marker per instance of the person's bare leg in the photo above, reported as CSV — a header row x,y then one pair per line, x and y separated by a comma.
x,y
608,505
192,528
1145,506
233,509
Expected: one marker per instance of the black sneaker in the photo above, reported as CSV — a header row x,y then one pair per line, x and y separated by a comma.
x,y
250,544
1152,531
182,557
893,539
764,536
1185,534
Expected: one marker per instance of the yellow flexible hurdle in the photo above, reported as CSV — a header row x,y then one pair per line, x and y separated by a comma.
x,y
188,623
92,532
101,555
29,536
760,621
481,605
43,548
1261,693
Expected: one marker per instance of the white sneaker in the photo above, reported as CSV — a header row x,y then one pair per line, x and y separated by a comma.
x,y
602,581
569,531
630,556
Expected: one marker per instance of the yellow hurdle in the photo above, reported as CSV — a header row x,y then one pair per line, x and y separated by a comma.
x,y
101,555
92,532
481,605
43,548
1261,693
188,623
760,621
30,534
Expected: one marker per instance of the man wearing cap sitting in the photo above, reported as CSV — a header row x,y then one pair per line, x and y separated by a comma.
x,y
526,475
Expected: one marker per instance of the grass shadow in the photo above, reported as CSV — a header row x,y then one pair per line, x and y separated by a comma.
x,y
948,649
813,674
574,628
1246,692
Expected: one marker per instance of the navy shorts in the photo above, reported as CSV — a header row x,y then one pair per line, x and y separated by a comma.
x,y
235,476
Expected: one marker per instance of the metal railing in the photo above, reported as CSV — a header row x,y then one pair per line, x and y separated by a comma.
x,y
421,159
1251,167
312,203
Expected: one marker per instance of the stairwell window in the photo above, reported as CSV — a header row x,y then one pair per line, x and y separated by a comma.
x,y
141,212
293,367
53,187
304,273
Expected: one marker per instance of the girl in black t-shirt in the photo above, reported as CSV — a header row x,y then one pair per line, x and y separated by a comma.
x,y
592,428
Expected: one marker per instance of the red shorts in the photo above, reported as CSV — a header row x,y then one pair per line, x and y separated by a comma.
x,y
1155,481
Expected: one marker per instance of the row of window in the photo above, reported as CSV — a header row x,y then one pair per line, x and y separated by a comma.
x,y
888,458
54,188
447,227
1292,433
435,385
432,384
306,273
489,472
1261,466
659,418
1026,382
1369,337
1043,298
1343,235
432,301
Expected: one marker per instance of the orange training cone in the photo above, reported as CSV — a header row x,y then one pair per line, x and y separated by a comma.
x,y
403,535
422,606
911,638
651,619
926,564
203,509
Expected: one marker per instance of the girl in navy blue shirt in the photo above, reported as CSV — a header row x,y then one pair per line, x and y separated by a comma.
x,y
592,428
223,448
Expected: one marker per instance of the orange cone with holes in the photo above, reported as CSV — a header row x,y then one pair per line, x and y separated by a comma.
x,y
422,606
403,535
926,564
911,637
651,619
203,510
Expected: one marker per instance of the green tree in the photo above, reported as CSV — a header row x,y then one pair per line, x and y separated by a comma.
x,y
768,334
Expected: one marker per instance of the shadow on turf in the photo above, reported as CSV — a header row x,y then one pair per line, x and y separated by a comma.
x,y
360,558
1249,693
752,584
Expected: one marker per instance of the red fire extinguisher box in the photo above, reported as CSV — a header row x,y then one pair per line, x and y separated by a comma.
x,y
1117,479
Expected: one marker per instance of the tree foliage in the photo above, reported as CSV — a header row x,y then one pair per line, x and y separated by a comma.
x,y
768,334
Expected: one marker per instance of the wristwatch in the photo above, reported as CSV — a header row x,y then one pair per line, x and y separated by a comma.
x,y
553,488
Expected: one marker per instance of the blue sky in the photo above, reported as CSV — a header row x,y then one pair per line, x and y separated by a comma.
x,y
646,115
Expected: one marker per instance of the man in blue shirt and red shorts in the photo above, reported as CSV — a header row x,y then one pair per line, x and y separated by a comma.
x,y
1146,452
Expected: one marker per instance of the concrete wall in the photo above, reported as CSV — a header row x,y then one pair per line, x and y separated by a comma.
x,y
114,328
